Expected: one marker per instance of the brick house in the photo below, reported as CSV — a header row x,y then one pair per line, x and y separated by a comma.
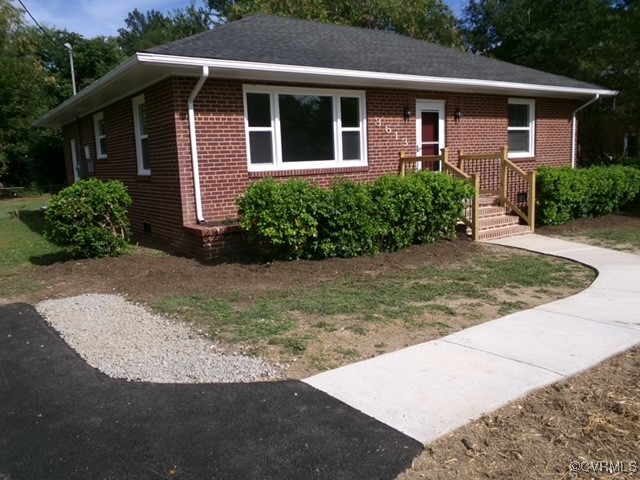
x,y
188,125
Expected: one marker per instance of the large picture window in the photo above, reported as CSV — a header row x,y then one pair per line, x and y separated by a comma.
x,y
303,128
142,140
521,127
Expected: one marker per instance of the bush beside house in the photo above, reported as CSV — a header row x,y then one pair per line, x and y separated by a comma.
x,y
299,219
565,194
629,162
90,218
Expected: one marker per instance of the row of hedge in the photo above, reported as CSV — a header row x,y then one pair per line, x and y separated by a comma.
x,y
565,194
299,219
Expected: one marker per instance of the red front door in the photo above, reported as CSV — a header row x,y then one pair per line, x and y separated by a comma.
x,y
430,135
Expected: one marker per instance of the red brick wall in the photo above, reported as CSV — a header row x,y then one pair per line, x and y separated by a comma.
x,y
165,199
483,127
156,198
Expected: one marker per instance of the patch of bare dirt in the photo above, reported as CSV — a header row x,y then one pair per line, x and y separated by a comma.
x,y
147,275
587,427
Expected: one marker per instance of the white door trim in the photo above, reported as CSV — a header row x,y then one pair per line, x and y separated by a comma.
x,y
430,106
74,160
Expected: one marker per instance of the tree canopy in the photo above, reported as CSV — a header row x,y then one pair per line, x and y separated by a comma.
x,y
430,20
25,92
592,40
146,30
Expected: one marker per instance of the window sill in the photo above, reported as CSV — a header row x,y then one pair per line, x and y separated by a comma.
x,y
308,172
520,157
146,177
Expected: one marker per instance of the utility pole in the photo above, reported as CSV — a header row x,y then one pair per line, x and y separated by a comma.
x,y
73,74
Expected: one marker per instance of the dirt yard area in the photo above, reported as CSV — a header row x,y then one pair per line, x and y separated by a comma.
x,y
318,315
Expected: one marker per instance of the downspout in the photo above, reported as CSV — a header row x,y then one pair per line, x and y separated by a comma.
x,y
194,143
573,128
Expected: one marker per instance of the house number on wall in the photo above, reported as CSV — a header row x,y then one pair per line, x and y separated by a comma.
x,y
389,130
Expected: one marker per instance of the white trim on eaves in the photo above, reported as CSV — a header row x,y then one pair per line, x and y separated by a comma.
x,y
171,60
143,69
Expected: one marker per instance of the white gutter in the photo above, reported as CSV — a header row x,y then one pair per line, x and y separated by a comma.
x,y
573,128
194,143
236,65
134,74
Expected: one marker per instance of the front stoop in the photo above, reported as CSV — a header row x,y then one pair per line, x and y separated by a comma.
x,y
497,222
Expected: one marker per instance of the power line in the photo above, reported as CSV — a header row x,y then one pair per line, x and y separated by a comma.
x,y
44,32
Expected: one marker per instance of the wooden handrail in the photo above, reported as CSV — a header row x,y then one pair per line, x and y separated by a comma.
x,y
471,214
507,165
404,160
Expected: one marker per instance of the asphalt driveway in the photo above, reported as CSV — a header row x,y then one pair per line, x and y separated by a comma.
x,y
61,419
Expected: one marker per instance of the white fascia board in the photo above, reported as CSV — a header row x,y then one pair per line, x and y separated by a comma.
x,y
410,81
79,104
83,94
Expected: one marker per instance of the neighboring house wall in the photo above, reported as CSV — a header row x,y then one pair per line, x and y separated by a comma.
x,y
164,200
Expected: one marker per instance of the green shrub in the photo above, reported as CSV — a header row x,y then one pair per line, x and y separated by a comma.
x,y
565,194
282,215
448,196
346,222
629,162
298,219
90,218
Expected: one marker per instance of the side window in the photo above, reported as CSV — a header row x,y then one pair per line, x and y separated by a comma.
x,y
142,140
101,137
521,127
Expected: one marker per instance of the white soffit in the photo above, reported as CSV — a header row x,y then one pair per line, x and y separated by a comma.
x,y
144,69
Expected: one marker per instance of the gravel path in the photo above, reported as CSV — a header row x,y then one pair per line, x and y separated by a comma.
x,y
123,340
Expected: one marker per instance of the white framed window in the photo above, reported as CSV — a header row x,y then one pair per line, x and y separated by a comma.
x,y
142,141
302,128
101,137
521,131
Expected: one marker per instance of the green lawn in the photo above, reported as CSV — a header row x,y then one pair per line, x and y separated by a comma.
x,y
22,244
270,318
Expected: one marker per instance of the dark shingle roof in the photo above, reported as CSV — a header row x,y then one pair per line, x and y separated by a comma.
x,y
284,41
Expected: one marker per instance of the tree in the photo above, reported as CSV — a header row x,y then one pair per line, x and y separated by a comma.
x,y
146,30
595,41
24,95
566,37
92,58
430,20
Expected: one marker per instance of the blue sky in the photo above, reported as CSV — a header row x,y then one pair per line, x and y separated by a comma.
x,y
91,17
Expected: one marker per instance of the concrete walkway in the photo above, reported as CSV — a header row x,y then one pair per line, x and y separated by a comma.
x,y
430,389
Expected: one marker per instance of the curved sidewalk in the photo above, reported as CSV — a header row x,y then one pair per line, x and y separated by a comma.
x,y
430,389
